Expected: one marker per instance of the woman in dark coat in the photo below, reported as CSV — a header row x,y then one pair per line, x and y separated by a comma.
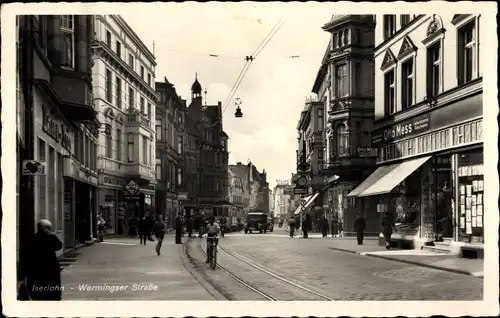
x,y
387,225
335,227
324,226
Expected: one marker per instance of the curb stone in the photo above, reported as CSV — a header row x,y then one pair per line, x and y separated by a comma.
x,y
197,276
452,270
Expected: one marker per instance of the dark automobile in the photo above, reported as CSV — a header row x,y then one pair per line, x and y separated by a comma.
x,y
256,221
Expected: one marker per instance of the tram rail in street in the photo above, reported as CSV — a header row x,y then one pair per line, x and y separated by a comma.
x,y
246,282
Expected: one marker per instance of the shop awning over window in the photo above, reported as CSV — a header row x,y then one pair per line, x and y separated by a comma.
x,y
386,178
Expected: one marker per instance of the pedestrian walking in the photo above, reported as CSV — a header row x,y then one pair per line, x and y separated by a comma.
x,y
360,226
43,270
100,227
387,225
190,224
201,228
178,229
159,230
133,226
335,227
341,227
143,227
291,226
324,226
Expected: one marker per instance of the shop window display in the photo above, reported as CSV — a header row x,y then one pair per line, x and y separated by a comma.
x,y
403,203
471,197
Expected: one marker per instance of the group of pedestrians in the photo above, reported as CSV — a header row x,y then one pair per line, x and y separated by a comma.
x,y
336,226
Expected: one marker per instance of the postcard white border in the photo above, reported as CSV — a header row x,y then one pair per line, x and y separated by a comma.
x,y
198,308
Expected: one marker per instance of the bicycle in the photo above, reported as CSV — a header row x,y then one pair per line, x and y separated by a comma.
x,y
213,260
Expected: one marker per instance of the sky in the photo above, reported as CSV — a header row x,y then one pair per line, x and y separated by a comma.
x,y
273,90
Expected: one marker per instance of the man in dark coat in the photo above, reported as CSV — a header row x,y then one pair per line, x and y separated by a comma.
x,y
360,226
143,229
324,226
306,225
43,271
178,229
190,225
291,225
150,225
387,225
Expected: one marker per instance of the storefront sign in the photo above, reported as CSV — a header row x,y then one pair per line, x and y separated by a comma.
x,y
55,128
458,112
401,130
367,152
133,197
301,190
132,187
113,181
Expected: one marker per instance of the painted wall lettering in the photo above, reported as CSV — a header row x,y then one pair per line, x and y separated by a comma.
x,y
55,128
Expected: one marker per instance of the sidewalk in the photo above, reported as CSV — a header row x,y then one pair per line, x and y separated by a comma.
x,y
446,262
122,269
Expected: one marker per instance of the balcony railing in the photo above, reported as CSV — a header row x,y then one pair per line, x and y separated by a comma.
x,y
139,119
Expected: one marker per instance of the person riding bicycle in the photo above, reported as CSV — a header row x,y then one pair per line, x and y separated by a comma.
x,y
212,231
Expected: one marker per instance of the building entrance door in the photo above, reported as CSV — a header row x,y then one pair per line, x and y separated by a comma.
x,y
443,196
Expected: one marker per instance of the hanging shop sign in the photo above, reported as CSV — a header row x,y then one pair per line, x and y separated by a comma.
x,y
364,152
55,128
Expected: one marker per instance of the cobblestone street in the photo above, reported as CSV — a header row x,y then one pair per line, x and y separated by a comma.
x,y
347,276
120,268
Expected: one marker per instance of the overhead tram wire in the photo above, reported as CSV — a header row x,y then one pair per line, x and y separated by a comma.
x,y
249,59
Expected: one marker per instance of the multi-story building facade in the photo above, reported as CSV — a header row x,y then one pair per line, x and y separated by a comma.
x,y
60,130
271,202
345,85
259,189
310,148
211,145
170,152
191,168
236,197
240,172
428,85
123,78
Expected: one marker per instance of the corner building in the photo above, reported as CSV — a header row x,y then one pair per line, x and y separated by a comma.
x,y
428,129
64,126
345,86
123,77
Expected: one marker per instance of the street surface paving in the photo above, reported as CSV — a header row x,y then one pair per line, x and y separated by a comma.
x,y
311,263
124,264
347,276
